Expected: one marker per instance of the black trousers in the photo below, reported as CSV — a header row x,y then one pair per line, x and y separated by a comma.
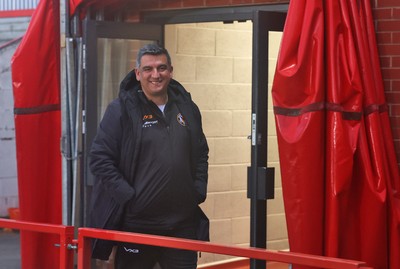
x,y
138,256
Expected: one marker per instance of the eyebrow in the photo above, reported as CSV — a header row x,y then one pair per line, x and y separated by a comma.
x,y
158,66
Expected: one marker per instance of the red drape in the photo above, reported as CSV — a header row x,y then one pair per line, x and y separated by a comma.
x,y
298,95
36,86
344,160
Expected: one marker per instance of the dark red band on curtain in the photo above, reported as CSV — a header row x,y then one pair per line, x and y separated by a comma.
x,y
294,112
36,110
376,108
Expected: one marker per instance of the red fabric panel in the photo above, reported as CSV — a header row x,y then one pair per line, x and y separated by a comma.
x,y
36,87
298,97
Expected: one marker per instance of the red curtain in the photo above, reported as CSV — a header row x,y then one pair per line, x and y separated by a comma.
x,y
298,96
336,151
36,86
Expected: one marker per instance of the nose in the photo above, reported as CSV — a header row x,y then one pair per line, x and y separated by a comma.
x,y
155,73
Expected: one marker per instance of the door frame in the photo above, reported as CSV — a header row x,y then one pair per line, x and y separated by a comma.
x,y
261,179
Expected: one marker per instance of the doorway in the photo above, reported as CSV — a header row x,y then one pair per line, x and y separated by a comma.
x,y
215,63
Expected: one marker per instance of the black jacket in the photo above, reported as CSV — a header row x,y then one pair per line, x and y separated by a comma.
x,y
115,152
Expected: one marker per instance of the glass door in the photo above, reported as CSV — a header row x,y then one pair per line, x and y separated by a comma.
x,y
109,52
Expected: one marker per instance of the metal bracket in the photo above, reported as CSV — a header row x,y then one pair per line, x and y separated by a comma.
x,y
265,183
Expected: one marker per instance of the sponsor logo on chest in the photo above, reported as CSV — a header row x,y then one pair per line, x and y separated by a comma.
x,y
149,120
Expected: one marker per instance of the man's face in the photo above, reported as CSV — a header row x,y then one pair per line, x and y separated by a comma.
x,y
154,75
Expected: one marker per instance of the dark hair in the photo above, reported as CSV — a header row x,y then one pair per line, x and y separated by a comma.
x,y
152,49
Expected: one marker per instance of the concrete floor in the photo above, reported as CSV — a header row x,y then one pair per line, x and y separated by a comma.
x,y
9,250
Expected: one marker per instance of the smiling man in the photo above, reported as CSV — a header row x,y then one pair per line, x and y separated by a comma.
x,y
154,73
150,162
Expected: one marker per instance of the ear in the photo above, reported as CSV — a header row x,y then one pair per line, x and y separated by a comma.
x,y
171,71
137,74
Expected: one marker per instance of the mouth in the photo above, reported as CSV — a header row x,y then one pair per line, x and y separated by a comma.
x,y
155,82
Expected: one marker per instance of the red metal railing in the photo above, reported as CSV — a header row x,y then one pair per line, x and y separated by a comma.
x,y
85,235
66,234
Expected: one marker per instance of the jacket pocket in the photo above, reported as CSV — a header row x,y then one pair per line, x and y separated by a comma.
x,y
203,226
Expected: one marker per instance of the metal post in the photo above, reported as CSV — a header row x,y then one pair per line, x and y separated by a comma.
x,y
260,178
65,127
258,205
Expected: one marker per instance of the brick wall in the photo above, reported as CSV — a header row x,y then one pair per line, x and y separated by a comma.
x,y
176,4
386,14
147,5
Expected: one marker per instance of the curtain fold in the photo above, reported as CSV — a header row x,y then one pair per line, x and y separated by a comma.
x,y
343,120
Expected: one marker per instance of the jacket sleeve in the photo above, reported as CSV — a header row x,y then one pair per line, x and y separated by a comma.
x,y
201,159
105,156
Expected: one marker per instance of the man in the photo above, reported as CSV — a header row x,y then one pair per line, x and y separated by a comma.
x,y
150,162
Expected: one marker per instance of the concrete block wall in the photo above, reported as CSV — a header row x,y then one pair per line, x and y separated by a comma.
x,y
214,62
